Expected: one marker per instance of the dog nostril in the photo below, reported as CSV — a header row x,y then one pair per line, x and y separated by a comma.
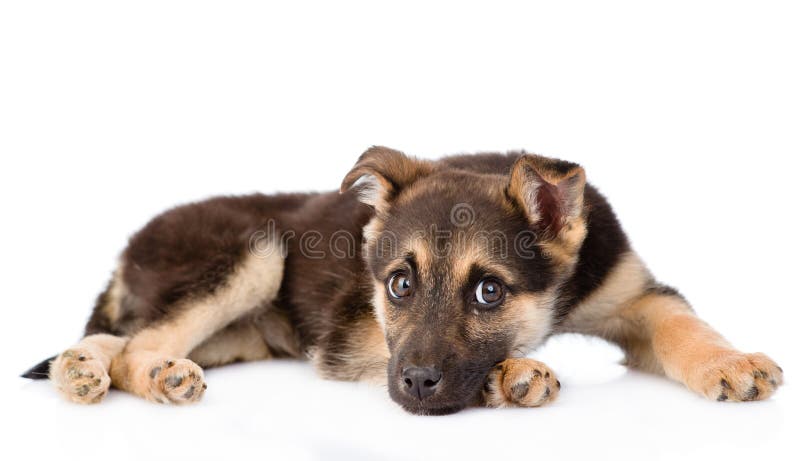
x,y
421,382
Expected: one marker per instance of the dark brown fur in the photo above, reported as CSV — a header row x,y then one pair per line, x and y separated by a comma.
x,y
341,249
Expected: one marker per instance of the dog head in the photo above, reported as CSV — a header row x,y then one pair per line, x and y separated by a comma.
x,y
466,255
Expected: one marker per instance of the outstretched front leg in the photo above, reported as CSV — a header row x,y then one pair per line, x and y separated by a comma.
x,y
693,353
660,332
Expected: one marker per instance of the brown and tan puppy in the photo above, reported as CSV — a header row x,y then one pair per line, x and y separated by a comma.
x,y
435,277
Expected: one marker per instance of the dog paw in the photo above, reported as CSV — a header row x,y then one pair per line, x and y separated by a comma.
x,y
175,381
79,376
737,377
520,383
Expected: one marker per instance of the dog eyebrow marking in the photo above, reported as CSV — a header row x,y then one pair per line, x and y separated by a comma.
x,y
408,260
479,271
421,255
411,261
474,259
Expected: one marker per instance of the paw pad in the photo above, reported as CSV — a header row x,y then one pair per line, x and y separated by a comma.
x,y
80,377
520,390
520,382
176,381
738,377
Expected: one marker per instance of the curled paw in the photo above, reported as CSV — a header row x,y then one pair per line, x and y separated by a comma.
x,y
737,377
79,376
520,383
175,381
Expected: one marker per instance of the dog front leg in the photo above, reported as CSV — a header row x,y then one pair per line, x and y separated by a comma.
x,y
690,351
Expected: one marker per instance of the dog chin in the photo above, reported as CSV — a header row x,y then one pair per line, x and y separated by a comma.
x,y
427,410
436,407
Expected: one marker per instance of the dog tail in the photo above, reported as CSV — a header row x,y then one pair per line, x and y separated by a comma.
x,y
41,370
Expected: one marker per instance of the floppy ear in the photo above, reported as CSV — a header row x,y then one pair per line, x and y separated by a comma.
x,y
381,173
549,191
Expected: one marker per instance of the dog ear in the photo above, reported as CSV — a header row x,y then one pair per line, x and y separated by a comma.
x,y
381,173
549,191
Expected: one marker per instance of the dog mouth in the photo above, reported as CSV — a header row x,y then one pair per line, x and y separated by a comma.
x,y
448,401
429,410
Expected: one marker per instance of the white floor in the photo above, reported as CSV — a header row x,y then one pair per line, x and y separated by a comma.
x,y
684,113
281,410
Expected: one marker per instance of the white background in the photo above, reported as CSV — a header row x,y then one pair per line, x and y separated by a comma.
x,y
685,114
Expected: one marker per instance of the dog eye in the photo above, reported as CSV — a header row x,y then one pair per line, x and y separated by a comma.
x,y
400,286
489,293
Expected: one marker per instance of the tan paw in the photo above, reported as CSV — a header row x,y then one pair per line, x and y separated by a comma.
x,y
520,383
738,377
79,376
175,381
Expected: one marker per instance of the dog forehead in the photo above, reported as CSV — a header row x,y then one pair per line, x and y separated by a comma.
x,y
455,258
456,185
449,202
450,228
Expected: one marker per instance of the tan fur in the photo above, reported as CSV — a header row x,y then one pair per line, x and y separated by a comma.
x,y
599,313
531,317
237,342
420,248
265,334
278,333
528,316
379,303
660,333
372,230
116,293
255,282
533,175
365,355
656,328
81,372
476,253
490,185
520,382
379,171
149,375
693,353
565,247
532,172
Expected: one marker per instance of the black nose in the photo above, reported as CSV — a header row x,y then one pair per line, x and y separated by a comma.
x,y
421,382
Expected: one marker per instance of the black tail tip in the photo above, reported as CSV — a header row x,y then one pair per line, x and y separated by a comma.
x,y
41,370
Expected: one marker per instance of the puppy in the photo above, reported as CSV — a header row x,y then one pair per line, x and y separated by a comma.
x,y
435,278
